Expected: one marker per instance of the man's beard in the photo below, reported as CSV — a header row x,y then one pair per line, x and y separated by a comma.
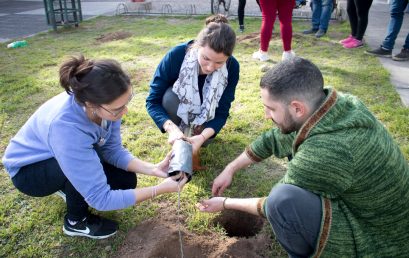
x,y
289,125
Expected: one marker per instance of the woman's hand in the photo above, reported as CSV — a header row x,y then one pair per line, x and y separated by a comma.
x,y
214,204
161,169
196,141
169,185
174,132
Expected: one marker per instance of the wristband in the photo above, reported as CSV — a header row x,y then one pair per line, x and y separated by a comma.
x,y
204,138
260,210
224,203
153,191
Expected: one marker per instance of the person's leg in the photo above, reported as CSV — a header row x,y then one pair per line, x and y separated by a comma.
x,y
45,178
258,3
406,45
295,216
316,14
325,14
363,7
170,103
118,178
240,13
268,13
285,15
40,179
404,53
353,17
397,8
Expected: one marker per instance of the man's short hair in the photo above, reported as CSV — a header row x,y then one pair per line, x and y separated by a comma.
x,y
296,78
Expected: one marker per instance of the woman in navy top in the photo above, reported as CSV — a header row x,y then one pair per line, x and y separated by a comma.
x,y
193,86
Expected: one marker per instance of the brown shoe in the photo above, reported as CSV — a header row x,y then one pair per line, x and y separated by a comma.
x,y
196,162
402,56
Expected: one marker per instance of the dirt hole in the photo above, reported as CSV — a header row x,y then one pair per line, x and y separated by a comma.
x,y
239,224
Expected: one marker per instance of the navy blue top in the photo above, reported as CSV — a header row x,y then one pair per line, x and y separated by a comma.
x,y
167,73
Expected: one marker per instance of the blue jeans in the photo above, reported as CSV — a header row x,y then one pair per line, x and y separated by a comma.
x,y
295,216
321,14
397,9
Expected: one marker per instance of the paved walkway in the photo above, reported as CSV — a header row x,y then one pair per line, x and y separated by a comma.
x,y
376,32
23,18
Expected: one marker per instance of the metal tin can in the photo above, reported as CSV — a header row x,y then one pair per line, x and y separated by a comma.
x,y
181,161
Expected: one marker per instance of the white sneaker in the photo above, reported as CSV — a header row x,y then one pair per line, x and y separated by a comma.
x,y
287,55
261,55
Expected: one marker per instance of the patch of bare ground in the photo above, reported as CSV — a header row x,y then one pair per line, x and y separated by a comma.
x,y
111,36
159,237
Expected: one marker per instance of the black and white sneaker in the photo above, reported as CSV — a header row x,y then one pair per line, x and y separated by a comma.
x,y
92,226
380,51
61,194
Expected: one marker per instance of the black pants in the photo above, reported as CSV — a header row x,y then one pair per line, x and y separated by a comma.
x,y
240,10
46,177
358,11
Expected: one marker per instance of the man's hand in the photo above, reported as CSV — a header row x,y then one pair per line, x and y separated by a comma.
x,y
214,204
222,181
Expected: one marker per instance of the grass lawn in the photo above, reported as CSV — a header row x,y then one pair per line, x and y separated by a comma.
x,y
31,227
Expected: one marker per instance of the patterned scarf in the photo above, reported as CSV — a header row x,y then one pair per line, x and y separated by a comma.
x,y
190,110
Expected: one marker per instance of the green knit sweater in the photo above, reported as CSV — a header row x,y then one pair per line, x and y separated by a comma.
x,y
345,155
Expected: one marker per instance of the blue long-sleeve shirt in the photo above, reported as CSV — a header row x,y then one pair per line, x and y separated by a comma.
x,y
60,129
167,73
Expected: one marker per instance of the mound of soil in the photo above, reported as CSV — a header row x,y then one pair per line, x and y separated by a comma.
x,y
249,38
111,36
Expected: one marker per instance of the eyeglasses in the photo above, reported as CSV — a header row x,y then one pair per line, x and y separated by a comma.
x,y
118,110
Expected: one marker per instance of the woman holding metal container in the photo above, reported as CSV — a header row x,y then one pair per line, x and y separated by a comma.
x,y
194,85
72,146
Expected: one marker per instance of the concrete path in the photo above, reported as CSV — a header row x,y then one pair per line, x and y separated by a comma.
x,y
23,18
375,34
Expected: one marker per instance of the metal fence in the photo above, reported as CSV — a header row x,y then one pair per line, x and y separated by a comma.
x,y
203,7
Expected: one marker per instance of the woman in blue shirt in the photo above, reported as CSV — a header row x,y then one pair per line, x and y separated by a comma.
x,y
72,145
193,86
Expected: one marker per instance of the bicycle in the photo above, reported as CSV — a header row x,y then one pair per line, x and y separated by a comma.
x,y
220,6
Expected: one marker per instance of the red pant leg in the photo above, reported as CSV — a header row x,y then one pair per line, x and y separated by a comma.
x,y
268,14
285,15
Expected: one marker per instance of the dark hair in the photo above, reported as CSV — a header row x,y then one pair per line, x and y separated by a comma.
x,y
94,81
295,78
218,35
217,18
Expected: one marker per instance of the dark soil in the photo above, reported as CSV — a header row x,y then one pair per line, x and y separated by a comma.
x,y
159,237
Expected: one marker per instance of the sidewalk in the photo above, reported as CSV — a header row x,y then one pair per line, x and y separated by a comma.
x,y
23,18
375,34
